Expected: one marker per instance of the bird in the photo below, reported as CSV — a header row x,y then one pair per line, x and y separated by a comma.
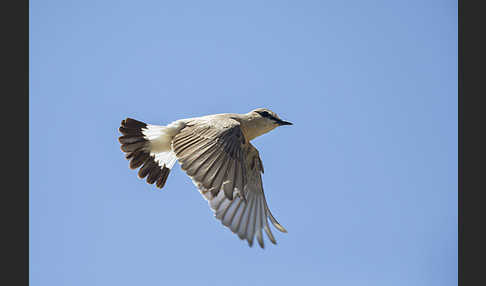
x,y
216,153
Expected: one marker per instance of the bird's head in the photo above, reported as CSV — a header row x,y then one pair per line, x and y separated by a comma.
x,y
261,121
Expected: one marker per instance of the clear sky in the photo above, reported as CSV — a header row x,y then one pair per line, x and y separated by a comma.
x,y
365,180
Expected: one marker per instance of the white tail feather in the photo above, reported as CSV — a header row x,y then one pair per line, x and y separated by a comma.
x,y
160,139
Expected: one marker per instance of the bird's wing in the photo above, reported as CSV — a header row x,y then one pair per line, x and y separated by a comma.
x,y
227,171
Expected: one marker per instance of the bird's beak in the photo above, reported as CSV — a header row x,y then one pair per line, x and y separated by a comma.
x,y
281,122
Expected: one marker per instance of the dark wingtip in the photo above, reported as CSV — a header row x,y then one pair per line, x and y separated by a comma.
x,y
262,245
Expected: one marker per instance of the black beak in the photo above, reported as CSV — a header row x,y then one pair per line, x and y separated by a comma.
x,y
281,122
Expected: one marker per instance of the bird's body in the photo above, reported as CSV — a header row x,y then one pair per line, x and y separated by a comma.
x,y
215,151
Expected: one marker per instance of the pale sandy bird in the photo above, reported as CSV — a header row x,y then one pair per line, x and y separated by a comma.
x,y
215,151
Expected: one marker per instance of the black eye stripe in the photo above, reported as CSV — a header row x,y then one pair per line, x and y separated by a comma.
x,y
268,115
265,114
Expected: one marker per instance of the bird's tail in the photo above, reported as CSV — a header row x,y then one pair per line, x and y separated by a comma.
x,y
148,147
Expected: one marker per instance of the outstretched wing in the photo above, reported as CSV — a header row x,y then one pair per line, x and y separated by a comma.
x,y
247,218
227,171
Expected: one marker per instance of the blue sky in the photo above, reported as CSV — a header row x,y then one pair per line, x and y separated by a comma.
x,y
365,180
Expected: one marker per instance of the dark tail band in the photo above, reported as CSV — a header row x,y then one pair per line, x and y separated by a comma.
x,y
137,150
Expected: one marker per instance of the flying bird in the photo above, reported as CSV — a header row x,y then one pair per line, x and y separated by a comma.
x,y
216,153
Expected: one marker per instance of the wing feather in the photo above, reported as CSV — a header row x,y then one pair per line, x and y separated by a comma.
x,y
236,217
203,165
223,208
218,177
230,214
216,202
229,183
198,161
241,231
250,227
258,224
193,158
